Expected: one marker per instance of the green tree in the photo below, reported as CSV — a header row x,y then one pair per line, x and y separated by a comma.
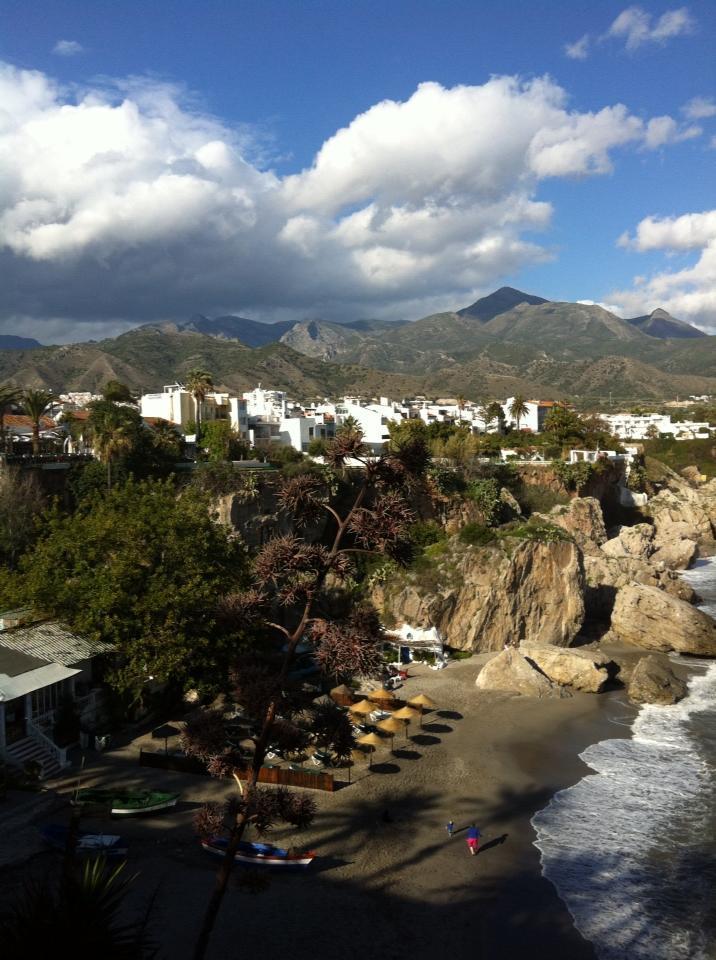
x,y
115,431
221,441
139,568
21,500
9,397
166,439
518,409
117,392
36,404
199,383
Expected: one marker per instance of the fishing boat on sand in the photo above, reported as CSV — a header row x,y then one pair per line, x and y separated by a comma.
x,y
88,844
261,854
126,803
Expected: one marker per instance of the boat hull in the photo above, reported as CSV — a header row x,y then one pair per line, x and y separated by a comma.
x,y
280,860
127,805
88,844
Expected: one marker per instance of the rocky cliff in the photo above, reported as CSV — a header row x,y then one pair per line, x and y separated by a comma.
x,y
483,598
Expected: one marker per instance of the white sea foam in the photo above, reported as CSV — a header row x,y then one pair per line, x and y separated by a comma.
x,y
623,846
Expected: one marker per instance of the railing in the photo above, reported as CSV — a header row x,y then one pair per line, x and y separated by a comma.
x,y
59,753
87,705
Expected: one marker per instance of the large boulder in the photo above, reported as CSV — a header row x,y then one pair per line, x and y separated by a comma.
x,y
484,598
650,618
634,542
680,511
653,681
582,518
510,672
606,575
582,669
675,554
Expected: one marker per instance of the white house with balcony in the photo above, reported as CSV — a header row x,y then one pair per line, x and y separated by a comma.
x,y
43,663
176,405
533,419
632,426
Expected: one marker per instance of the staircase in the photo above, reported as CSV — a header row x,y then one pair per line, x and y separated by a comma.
x,y
29,749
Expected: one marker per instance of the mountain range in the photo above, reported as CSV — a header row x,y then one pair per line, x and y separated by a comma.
x,y
504,343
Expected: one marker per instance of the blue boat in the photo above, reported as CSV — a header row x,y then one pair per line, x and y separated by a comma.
x,y
88,844
260,854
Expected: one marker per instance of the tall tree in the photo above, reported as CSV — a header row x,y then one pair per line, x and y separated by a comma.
x,y
36,403
518,409
199,383
117,392
9,397
285,598
114,429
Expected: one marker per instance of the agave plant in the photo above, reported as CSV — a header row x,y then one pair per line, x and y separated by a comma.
x,y
79,915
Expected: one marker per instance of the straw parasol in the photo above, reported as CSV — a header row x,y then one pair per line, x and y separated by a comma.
x,y
342,695
370,740
363,706
407,714
422,702
391,726
381,695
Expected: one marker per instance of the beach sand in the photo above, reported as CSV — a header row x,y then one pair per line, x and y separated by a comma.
x,y
399,888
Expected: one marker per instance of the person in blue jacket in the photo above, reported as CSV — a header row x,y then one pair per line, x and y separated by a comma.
x,y
473,839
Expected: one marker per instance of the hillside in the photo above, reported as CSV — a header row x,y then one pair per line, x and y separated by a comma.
x,y
10,342
502,300
661,324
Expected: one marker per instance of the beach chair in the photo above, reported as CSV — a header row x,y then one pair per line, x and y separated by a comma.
x,y
321,758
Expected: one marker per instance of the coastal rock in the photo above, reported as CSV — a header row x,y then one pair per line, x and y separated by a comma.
x,y
652,681
650,618
675,554
606,575
483,598
510,672
634,542
587,670
693,476
582,518
680,511
512,506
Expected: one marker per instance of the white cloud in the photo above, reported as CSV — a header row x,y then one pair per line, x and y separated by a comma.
x,y
699,108
688,293
611,307
636,27
663,130
124,203
579,50
67,48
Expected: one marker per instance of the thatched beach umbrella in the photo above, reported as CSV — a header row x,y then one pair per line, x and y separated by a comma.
x,y
391,726
363,706
407,714
422,702
371,740
342,695
381,695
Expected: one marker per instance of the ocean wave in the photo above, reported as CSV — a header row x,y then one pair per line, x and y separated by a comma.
x,y
624,846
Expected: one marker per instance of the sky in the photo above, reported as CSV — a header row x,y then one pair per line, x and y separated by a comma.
x,y
345,159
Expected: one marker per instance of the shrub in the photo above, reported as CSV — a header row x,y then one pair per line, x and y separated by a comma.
x,y
475,534
426,532
486,495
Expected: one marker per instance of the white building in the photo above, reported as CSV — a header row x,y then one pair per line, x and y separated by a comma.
x,y
631,426
176,405
533,419
372,418
270,404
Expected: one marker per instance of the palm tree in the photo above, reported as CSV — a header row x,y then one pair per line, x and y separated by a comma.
x,y
518,408
114,432
36,403
9,396
166,438
199,383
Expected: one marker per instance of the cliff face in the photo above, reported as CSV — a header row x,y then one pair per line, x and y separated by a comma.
x,y
484,598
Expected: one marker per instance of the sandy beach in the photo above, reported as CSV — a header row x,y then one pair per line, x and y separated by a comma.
x,y
398,888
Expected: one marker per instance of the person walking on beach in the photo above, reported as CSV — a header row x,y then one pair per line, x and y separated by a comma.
x,y
450,827
473,839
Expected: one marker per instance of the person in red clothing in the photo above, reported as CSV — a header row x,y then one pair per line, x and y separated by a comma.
x,y
473,839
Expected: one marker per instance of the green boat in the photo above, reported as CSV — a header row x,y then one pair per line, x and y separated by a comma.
x,y
126,803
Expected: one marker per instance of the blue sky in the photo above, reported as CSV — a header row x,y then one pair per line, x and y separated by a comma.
x,y
413,226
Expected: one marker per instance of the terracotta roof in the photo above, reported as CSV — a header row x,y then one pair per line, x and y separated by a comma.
x,y
19,420
79,414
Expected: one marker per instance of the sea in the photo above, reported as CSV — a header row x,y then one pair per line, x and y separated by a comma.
x,y
631,848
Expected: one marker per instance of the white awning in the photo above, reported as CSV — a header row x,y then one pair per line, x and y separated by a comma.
x,y
12,687
417,638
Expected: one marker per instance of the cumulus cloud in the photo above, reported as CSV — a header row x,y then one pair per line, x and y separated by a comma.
x,y
663,130
688,292
124,203
699,108
636,27
579,50
67,48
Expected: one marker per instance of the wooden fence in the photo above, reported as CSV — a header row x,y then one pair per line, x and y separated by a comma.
x,y
285,776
